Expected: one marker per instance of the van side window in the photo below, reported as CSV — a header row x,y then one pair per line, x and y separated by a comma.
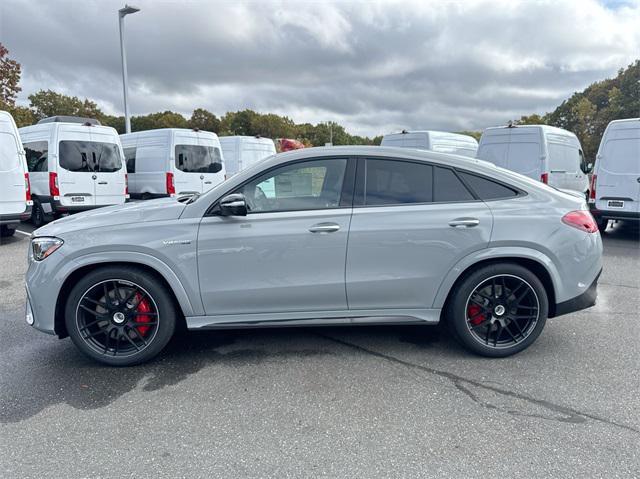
x,y
36,153
392,182
448,187
486,189
130,159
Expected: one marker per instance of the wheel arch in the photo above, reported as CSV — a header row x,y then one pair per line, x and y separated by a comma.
x,y
177,292
544,270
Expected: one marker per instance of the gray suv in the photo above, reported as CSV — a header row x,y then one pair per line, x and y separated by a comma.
x,y
321,236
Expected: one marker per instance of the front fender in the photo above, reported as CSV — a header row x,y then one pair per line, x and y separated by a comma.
x,y
489,254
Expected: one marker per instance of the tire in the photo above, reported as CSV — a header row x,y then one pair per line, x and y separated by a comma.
x,y
486,317
6,232
105,318
37,215
602,224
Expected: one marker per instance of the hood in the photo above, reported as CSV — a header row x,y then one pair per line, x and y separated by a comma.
x,y
135,212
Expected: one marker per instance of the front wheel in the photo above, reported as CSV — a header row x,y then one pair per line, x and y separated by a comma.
x,y
498,310
120,316
6,232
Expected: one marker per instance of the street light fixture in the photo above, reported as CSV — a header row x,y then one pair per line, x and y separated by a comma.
x,y
123,12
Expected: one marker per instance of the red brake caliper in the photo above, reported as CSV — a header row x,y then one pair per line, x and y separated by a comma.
x,y
143,307
473,312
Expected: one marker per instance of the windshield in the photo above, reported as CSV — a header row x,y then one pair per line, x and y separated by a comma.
x,y
198,159
90,156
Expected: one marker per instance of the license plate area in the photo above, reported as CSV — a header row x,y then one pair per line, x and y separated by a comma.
x,y
77,199
615,204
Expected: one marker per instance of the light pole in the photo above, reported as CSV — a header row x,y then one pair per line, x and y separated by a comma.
x,y
123,12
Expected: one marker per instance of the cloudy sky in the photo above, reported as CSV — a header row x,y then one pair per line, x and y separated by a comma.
x,y
373,66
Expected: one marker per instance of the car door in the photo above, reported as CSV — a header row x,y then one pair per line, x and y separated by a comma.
x,y
12,176
75,163
288,253
109,169
618,180
412,222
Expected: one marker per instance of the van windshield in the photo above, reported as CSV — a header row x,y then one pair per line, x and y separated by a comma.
x,y
198,159
89,156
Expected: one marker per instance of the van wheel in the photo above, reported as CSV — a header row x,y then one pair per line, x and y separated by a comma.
x,y
602,224
37,215
6,232
120,316
498,310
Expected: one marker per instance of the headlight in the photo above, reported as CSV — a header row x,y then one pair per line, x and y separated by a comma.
x,y
43,246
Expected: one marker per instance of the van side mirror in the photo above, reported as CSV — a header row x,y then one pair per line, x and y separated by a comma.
x,y
586,167
215,167
234,204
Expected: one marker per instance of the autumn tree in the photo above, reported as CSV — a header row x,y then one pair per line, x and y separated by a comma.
x,y
204,120
9,79
46,103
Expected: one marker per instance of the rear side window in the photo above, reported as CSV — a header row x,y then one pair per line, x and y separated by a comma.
x,y
9,159
622,156
487,189
90,156
36,153
198,159
447,187
130,159
564,157
389,182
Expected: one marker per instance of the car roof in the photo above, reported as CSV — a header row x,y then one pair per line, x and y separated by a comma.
x,y
545,128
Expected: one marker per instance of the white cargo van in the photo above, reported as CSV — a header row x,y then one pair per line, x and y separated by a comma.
x,y
172,162
545,153
75,164
615,185
440,141
241,152
15,193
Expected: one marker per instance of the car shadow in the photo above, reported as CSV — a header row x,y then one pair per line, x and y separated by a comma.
x,y
63,375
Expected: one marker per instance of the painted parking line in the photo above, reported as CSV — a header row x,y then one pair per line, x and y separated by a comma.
x,y
23,233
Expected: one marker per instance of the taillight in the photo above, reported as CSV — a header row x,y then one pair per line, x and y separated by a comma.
x,y
544,177
27,186
126,184
582,220
592,189
171,187
54,190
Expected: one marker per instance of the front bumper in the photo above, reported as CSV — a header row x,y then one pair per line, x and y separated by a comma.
x,y
584,301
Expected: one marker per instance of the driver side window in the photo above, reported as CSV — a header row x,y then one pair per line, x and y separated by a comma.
x,y
308,185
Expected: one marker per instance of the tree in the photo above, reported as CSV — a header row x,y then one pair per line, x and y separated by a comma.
x,y
154,121
9,79
46,103
204,120
23,116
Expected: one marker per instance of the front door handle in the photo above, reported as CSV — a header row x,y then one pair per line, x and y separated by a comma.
x,y
464,222
324,228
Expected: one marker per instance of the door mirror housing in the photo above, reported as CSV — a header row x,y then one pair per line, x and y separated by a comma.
x,y
234,204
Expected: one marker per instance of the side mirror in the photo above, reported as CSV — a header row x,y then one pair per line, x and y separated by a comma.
x,y
234,204
215,167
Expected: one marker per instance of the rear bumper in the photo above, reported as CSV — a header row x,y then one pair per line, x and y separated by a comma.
x,y
614,215
53,207
584,301
15,218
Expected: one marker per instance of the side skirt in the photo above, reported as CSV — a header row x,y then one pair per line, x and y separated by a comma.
x,y
315,318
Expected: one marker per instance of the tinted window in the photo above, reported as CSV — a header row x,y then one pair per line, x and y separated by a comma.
x,y
389,182
447,186
307,185
198,159
130,159
36,153
487,189
93,156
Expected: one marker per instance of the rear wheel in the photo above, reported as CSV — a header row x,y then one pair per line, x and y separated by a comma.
x,y
6,231
602,224
120,316
498,310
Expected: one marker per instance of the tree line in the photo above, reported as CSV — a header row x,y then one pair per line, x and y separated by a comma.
x,y
585,113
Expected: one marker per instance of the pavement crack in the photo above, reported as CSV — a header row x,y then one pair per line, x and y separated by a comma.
x,y
462,384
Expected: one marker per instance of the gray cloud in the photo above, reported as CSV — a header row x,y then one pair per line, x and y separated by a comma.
x,y
375,67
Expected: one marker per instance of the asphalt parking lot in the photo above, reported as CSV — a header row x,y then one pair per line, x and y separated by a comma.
x,y
334,402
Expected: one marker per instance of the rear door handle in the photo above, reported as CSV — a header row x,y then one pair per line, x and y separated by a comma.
x,y
207,182
324,228
464,222
102,183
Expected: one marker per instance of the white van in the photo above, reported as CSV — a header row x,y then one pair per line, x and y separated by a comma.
x,y
15,194
172,162
241,152
440,141
545,153
75,164
615,185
